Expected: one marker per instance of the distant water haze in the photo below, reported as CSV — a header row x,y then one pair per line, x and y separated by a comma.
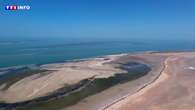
x,y
56,31
15,52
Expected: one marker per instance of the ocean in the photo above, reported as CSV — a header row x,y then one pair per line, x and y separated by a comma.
x,y
16,52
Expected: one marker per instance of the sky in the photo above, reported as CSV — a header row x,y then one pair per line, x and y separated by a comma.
x,y
99,19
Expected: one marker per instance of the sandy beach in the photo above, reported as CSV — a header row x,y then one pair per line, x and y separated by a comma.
x,y
166,85
171,90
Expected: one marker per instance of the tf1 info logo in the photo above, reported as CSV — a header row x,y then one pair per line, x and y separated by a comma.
x,y
17,7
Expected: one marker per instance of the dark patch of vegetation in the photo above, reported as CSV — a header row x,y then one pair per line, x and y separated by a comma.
x,y
15,75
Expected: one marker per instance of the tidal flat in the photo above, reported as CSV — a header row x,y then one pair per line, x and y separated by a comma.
x,y
110,72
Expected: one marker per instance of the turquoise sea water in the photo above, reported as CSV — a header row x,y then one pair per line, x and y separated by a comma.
x,y
15,52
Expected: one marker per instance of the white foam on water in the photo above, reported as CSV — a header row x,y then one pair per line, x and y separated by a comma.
x,y
192,68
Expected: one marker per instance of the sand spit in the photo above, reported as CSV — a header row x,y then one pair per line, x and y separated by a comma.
x,y
70,73
172,90
63,74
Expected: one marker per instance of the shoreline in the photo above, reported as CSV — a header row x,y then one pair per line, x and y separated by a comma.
x,y
130,86
107,59
87,58
139,91
23,103
156,60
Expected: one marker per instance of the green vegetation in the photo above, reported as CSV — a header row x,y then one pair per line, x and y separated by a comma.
x,y
96,86
14,76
